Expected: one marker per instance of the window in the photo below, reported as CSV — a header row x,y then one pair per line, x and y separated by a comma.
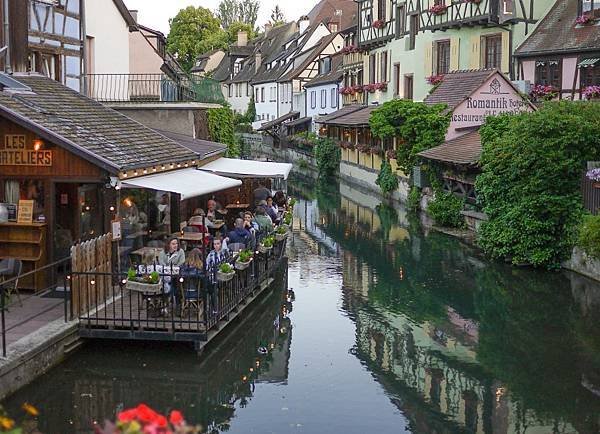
x,y
508,7
323,98
313,99
381,9
408,86
46,64
236,68
262,94
400,21
590,76
333,27
229,91
396,79
273,93
442,57
248,89
493,51
548,73
589,7
383,67
372,68
325,65
414,29
334,98
439,2
256,98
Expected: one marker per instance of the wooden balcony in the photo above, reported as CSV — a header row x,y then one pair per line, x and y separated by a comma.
x,y
357,98
372,37
457,14
352,60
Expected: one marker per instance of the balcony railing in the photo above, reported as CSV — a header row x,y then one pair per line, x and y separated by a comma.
x,y
459,13
151,88
352,59
356,98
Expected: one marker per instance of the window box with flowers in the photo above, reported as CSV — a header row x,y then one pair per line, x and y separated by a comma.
x,y
375,150
584,19
347,90
435,80
349,49
363,147
372,87
591,92
358,88
543,92
390,154
438,9
378,24
594,176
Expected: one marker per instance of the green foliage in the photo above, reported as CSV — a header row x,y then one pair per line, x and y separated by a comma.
x,y
445,209
328,156
277,17
302,163
414,198
231,12
226,268
589,235
282,230
220,129
245,256
154,277
131,274
250,114
530,185
190,33
387,180
287,218
388,218
417,126
268,241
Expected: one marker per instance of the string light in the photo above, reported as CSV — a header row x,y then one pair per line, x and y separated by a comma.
x,y
111,208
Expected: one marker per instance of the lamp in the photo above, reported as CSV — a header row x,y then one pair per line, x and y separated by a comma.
x,y
38,144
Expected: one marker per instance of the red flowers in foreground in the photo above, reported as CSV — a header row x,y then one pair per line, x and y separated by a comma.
x,y
144,420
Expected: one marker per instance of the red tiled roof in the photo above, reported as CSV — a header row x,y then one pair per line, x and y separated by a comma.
x,y
463,150
458,86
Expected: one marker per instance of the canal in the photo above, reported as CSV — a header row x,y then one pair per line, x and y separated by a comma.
x,y
384,327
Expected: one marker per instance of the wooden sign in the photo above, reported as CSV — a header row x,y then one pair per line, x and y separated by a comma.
x,y
116,230
25,211
16,153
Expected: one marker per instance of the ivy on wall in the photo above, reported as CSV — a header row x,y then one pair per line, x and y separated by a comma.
x,y
221,129
328,155
386,180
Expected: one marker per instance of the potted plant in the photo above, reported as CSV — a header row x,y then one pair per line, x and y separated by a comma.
x,y
287,218
438,9
146,283
594,176
281,233
435,80
225,272
266,244
591,92
243,260
584,19
541,92
378,24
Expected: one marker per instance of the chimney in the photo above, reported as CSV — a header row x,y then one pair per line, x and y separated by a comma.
x,y
134,13
303,23
257,61
242,38
268,28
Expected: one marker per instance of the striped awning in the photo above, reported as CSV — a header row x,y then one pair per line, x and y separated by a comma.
x,y
588,62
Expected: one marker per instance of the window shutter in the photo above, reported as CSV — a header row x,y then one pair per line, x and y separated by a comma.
x,y
505,52
475,61
429,60
454,54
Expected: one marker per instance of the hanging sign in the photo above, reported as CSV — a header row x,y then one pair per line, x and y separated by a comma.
x,y
16,153
25,211
116,230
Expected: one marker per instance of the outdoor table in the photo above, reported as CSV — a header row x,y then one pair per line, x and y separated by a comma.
x,y
194,238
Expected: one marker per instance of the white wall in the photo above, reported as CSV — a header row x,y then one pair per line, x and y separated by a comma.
x,y
240,96
330,90
106,25
266,110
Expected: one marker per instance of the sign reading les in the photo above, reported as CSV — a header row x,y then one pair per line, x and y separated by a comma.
x,y
15,153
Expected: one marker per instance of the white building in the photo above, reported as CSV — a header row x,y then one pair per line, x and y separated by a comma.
x,y
322,93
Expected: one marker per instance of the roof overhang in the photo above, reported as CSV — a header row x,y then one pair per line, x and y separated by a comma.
x,y
247,168
188,182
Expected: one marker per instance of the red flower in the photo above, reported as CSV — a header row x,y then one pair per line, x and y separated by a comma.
x,y
127,415
176,418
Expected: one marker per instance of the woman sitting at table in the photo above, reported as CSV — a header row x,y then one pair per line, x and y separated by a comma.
x,y
171,256
249,222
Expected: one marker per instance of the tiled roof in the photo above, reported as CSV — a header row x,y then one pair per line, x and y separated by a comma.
x,y
241,51
558,32
462,150
458,86
221,72
300,121
202,148
278,121
311,57
325,11
88,128
333,76
339,113
356,118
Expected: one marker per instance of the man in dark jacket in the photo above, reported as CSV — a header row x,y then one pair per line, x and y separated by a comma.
x,y
240,234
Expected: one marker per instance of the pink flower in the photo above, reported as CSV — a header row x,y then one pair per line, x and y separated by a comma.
x,y
435,79
378,24
176,418
438,9
584,19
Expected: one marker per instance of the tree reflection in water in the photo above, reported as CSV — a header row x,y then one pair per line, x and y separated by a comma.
x,y
460,343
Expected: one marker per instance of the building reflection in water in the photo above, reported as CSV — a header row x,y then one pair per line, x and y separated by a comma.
x,y
168,377
461,344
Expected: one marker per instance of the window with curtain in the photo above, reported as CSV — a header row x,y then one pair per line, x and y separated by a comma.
x,y
590,76
493,51
548,73
442,50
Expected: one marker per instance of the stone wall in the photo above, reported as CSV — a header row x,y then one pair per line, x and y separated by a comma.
x,y
582,263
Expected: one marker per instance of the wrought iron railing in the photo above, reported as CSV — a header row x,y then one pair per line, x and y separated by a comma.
x,y
151,88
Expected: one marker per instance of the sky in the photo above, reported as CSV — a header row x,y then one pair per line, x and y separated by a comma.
x,y
156,13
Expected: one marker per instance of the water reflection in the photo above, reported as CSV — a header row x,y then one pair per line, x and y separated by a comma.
x,y
463,345
104,379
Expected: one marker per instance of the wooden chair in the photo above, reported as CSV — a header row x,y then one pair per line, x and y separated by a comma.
x,y
191,298
11,268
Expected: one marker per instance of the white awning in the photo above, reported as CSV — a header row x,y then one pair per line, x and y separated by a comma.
x,y
188,182
248,168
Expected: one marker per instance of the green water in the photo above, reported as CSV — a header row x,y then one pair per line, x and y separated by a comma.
x,y
387,328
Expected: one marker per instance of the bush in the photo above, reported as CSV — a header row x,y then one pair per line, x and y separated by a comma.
x,y
589,235
530,186
387,180
328,156
414,198
445,209
220,128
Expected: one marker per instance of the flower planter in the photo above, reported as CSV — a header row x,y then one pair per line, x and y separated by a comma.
x,y
263,249
224,277
241,265
281,237
145,288
596,185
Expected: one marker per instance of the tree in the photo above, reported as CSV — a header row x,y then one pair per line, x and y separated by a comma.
x,y
236,27
243,11
250,114
277,17
328,156
192,30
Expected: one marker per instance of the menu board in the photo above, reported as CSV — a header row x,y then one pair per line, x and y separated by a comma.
x,y
25,211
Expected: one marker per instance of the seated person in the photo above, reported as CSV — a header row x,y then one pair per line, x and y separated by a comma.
x,y
261,193
264,222
280,200
218,254
272,210
171,256
196,220
249,222
193,263
239,234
